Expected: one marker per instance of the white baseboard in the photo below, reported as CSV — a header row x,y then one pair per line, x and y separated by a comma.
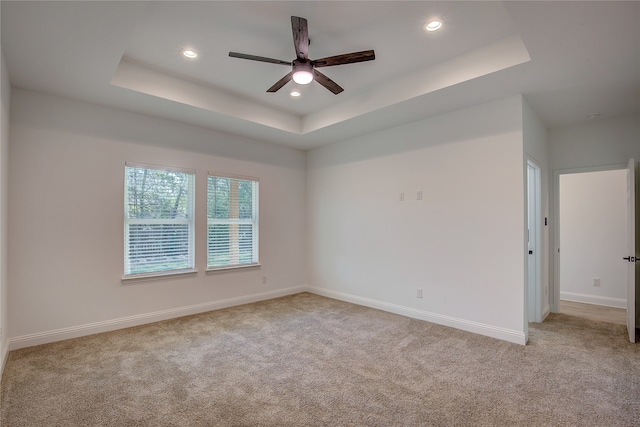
x,y
46,337
504,334
141,319
593,299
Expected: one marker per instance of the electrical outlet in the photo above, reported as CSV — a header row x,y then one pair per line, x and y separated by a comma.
x,y
596,281
419,292
264,279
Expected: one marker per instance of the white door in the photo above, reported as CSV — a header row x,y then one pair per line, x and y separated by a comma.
x,y
631,258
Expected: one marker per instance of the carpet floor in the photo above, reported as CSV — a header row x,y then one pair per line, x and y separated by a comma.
x,y
306,360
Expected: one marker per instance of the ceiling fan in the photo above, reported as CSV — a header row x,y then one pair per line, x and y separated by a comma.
x,y
303,70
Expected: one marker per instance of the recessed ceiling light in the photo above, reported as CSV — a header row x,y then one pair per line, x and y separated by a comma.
x,y
295,93
433,25
189,53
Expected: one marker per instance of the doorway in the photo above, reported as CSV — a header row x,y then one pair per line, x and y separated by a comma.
x,y
591,238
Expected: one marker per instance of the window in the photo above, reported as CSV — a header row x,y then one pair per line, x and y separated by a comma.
x,y
232,222
158,220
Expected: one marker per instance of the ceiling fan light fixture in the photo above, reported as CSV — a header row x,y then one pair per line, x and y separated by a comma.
x,y
433,25
302,72
302,77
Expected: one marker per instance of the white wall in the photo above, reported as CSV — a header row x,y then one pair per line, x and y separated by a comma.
x,y
597,143
5,92
593,237
462,243
66,214
536,147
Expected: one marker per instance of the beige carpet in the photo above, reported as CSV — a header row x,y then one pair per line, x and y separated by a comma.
x,y
306,360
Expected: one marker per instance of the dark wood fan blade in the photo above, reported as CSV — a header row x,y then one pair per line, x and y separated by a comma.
x,y
258,58
326,82
347,58
283,81
300,31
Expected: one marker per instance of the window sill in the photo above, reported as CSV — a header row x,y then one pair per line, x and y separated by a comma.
x,y
157,276
232,268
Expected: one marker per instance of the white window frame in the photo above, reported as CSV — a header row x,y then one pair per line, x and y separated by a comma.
x,y
190,222
254,221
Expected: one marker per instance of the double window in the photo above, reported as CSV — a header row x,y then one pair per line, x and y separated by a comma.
x,y
159,223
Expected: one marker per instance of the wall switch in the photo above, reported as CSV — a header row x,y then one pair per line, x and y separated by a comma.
x,y
264,279
596,281
419,292
401,196
419,195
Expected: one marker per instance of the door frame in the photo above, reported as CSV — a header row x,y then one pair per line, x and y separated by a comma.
x,y
555,226
534,279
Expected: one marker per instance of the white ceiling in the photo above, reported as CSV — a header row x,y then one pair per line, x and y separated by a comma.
x,y
569,59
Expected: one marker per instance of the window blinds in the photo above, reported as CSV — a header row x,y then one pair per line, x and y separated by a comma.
x,y
159,226
232,222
